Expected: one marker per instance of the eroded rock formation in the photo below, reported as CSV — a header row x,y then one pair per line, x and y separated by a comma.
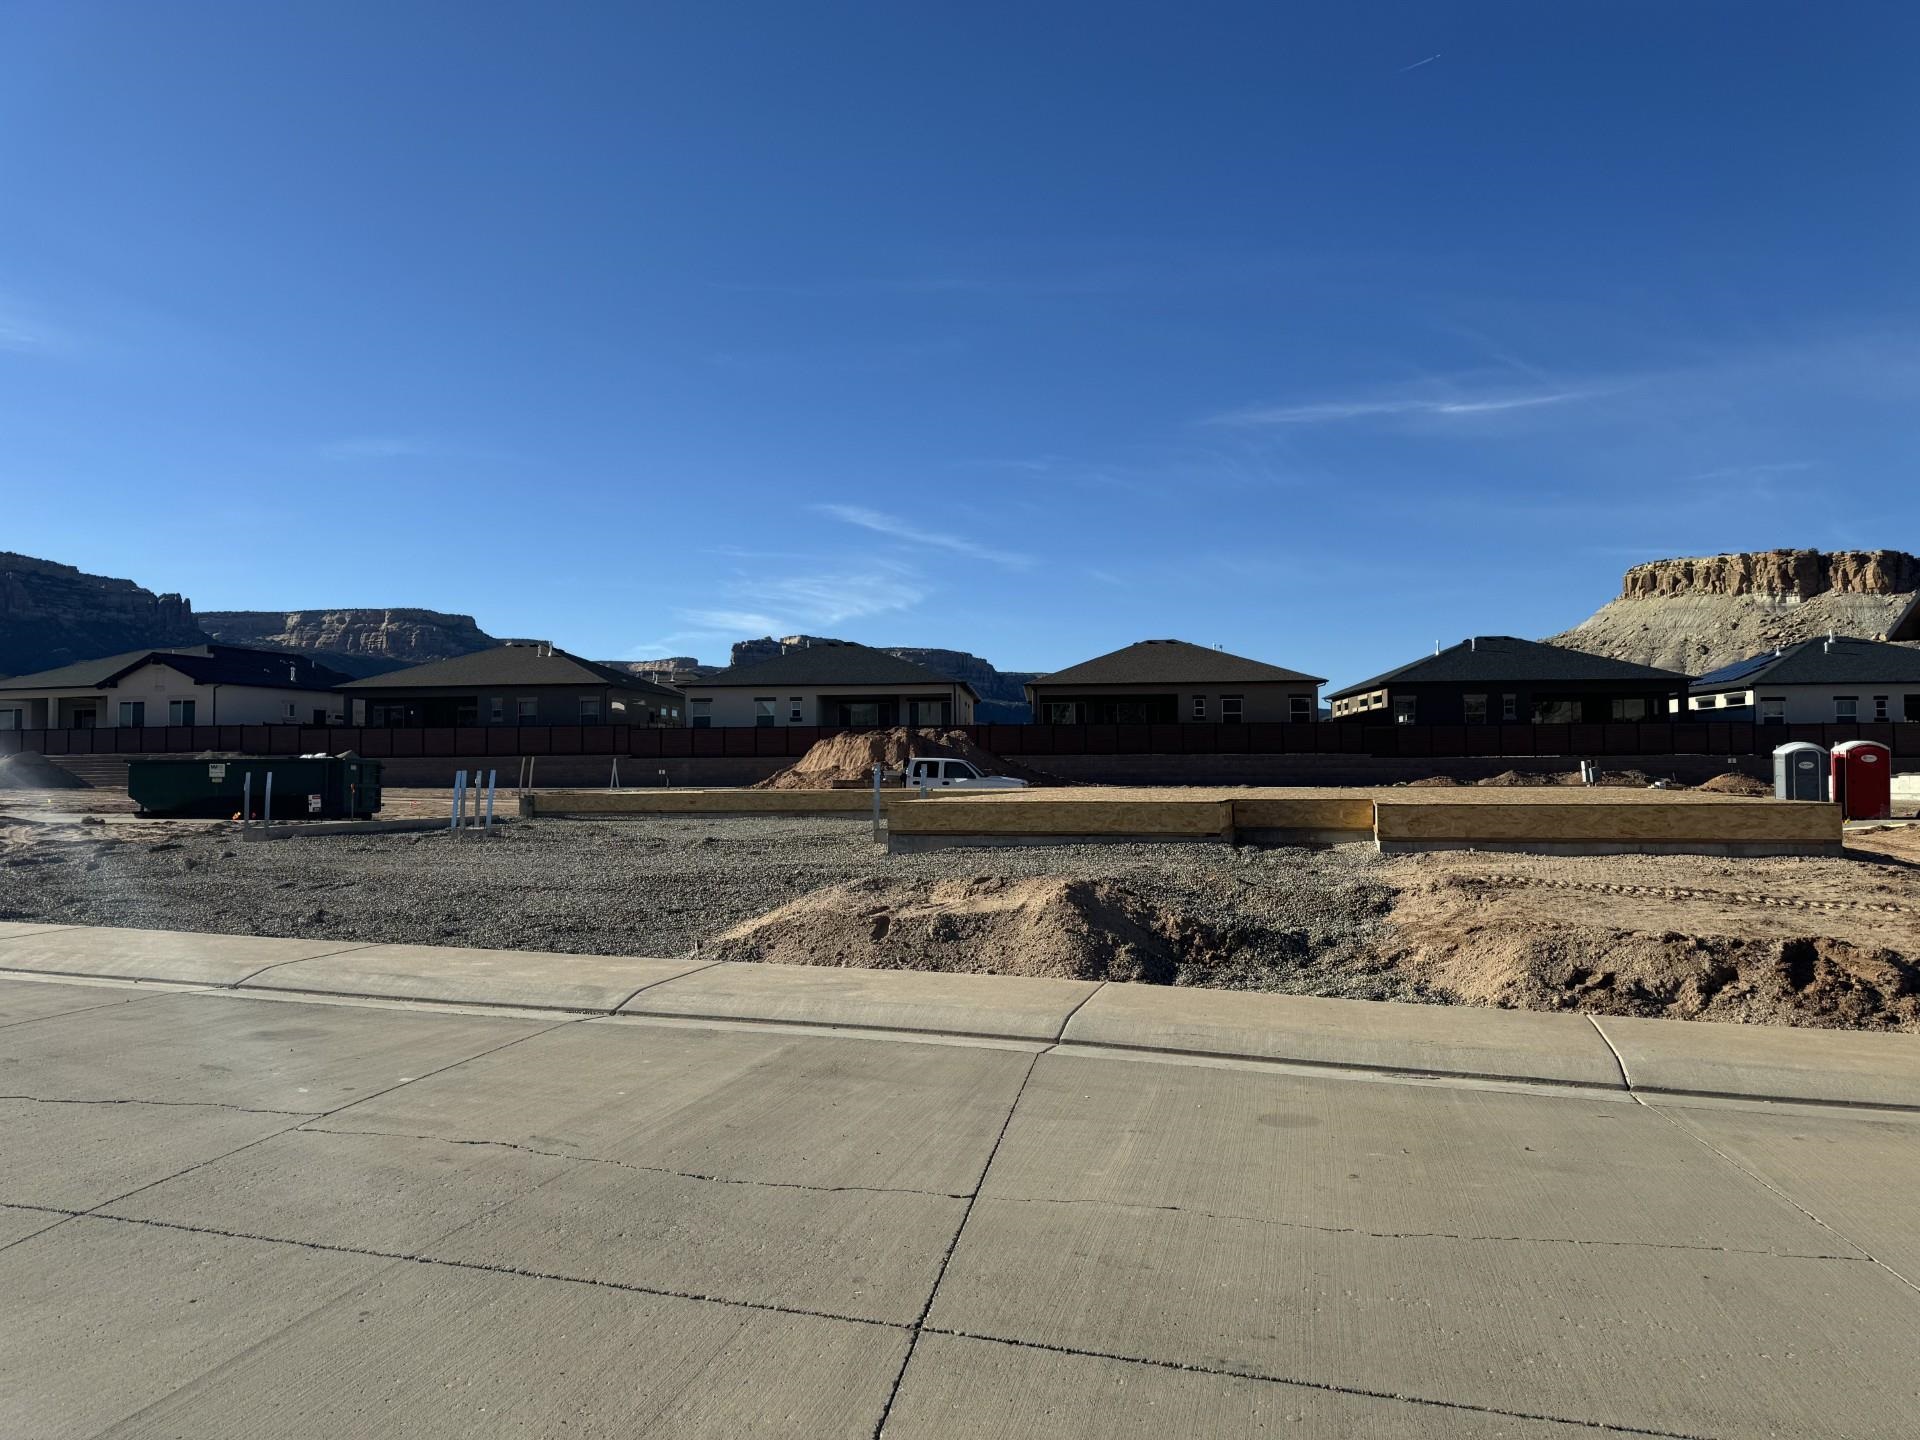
x,y
52,614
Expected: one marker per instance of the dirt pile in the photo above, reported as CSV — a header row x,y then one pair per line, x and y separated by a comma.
x,y
1734,783
1824,943
1620,779
851,756
1047,925
32,771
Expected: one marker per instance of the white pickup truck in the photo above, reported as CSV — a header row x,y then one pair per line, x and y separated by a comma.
x,y
945,774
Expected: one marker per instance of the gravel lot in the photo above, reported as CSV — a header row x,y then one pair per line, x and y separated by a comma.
x,y
1292,919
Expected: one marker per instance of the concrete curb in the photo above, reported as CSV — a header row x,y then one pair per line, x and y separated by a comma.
x,y
1876,1071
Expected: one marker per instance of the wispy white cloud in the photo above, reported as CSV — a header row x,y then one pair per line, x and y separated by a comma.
x,y
749,605
926,535
1333,412
25,331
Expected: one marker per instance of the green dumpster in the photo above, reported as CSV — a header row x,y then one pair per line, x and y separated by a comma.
x,y
305,787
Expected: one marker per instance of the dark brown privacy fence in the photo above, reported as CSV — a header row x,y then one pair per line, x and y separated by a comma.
x,y
1723,738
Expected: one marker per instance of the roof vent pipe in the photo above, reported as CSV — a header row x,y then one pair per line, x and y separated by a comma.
x,y
1473,642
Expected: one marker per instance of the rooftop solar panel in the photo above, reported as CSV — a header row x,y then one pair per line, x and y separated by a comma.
x,y
1738,670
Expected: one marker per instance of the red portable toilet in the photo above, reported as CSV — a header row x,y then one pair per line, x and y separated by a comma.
x,y
1863,779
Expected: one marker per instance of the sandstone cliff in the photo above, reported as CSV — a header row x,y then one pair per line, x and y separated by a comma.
x,y
53,614
361,642
1694,615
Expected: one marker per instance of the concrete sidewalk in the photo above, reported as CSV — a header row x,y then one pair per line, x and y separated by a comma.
x,y
770,1206
1654,1057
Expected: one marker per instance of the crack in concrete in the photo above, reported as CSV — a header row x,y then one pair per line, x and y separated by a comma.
x,y
1067,1019
310,1129
343,950
939,1275
1775,1190
1607,1040
1366,1234
477,1266
1325,1386
667,980
169,1104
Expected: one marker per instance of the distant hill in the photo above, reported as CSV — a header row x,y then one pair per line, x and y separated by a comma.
x,y
1694,615
53,614
361,642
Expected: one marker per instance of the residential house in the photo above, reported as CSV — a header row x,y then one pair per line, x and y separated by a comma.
x,y
1813,682
1495,679
1161,682
832,683
519,683
177,685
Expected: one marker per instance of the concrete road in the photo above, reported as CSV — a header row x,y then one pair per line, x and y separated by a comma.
x,y
229,1214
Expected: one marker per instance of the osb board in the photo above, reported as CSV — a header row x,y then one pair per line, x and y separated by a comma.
x,y
1751,820
973,815
1346,812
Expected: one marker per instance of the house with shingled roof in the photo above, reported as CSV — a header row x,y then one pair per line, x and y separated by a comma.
x,y
832,683
1501,679
528,682
176,685
1833,680
1164,682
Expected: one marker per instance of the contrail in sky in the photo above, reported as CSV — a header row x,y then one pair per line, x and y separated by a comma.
x,y
1418,63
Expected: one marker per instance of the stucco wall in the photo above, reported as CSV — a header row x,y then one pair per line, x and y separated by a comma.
x,y
1813,704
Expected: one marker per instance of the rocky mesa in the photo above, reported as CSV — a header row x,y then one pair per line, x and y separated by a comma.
x,y
53,614
1695,614
361,642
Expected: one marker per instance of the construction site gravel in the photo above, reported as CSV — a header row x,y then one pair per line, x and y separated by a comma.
x,y
1825,942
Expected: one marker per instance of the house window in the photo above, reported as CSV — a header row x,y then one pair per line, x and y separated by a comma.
x,y
1774,711
1556,712
1879,707
180,712
589,709
1300,709
497,710
1846,708
133,712
527,708
465,712
16,719
1510,708
1629,707
1403,709
1199,707
1473,709
700,714
763,711
1230,708
1910,706
293,712
1061,712
796,709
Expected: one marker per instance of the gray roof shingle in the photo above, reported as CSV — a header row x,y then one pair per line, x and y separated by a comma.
x,y
1173,662
510,665
839,664
208,664
1492,659
1844,660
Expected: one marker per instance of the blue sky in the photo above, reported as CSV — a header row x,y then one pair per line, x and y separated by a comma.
x,y
1031,330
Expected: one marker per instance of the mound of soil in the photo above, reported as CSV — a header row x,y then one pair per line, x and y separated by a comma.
x,y
1806,980
1433,782
1824,943
1734,783
1625,779
30,770
851,756
1047,925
